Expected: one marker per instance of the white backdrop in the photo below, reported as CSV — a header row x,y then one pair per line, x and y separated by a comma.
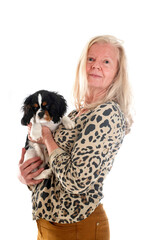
x,y
40,44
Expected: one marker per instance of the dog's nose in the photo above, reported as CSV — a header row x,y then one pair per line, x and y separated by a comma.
x,y
41,114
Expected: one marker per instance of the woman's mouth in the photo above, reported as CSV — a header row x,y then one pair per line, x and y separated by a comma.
x,y
95,75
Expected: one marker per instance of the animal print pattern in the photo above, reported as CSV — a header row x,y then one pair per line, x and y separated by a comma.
x,y
80,165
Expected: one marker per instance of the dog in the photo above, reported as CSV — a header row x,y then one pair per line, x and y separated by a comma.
x,y
43,108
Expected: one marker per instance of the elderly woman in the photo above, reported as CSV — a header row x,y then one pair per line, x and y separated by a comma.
x,y
68,205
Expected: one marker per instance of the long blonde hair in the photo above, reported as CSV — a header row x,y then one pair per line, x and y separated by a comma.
x,y
119,90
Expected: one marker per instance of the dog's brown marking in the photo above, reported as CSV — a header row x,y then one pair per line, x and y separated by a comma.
x,y
44,103
35,105
47,116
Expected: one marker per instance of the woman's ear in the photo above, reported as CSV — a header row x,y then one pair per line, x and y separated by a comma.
x,y
28,111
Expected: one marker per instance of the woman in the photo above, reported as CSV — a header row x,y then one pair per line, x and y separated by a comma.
x,y
68,205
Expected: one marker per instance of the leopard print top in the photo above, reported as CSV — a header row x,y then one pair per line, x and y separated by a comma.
x,y
85,156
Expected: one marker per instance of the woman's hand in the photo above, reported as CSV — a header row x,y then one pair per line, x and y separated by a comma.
x,y
26,176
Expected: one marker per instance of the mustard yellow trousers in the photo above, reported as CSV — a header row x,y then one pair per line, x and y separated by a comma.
x,y
94,227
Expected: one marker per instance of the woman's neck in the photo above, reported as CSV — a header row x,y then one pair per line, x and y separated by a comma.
x,y
94,95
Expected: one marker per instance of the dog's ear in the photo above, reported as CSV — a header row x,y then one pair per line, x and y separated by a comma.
x,y
62,105
28,111
58,106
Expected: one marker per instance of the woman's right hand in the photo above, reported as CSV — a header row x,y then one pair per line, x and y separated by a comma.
x,y
25,175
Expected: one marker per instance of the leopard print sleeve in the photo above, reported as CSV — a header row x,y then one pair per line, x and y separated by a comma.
x,y
93,151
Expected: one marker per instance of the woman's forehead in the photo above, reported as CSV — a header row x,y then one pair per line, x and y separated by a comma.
x,y
104,49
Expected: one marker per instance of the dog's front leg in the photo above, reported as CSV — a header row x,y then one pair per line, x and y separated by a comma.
x,y
36,131
47,173
67,122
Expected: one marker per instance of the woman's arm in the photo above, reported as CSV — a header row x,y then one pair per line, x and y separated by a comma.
x,y
93,152
48,140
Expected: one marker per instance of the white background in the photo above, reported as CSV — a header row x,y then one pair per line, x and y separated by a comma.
x,y
40,44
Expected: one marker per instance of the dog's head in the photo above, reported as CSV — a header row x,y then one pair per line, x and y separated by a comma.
x,y
43,106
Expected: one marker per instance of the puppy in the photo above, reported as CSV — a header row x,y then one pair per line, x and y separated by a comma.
x,y
43,108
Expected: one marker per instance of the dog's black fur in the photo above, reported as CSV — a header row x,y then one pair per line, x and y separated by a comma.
x,y
56,106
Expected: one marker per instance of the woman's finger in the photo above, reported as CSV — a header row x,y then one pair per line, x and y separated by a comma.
x,y
29,125
27,171
22,155
29,128
29,162
35,174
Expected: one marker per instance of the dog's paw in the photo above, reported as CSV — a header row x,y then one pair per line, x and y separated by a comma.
x,y
68,123
47,173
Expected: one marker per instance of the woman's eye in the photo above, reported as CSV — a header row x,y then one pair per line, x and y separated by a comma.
x,y
90,59
106,62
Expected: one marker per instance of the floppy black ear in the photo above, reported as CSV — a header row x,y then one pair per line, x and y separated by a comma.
x,y
58,107
28,111
62,105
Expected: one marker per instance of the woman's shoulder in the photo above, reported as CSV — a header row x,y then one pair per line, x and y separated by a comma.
x,y
112,112
72,113
104,109
108,108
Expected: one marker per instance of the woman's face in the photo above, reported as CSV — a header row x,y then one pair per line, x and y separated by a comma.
x,y
102,65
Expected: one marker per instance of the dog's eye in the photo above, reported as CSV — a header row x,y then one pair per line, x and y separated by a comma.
x,y
35,106
44,103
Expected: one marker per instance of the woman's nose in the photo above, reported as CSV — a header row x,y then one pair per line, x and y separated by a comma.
x,y
96,65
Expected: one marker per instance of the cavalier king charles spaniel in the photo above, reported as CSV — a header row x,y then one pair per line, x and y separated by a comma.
x,y
43,108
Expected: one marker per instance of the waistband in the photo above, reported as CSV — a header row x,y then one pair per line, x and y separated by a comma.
x,y
98,214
